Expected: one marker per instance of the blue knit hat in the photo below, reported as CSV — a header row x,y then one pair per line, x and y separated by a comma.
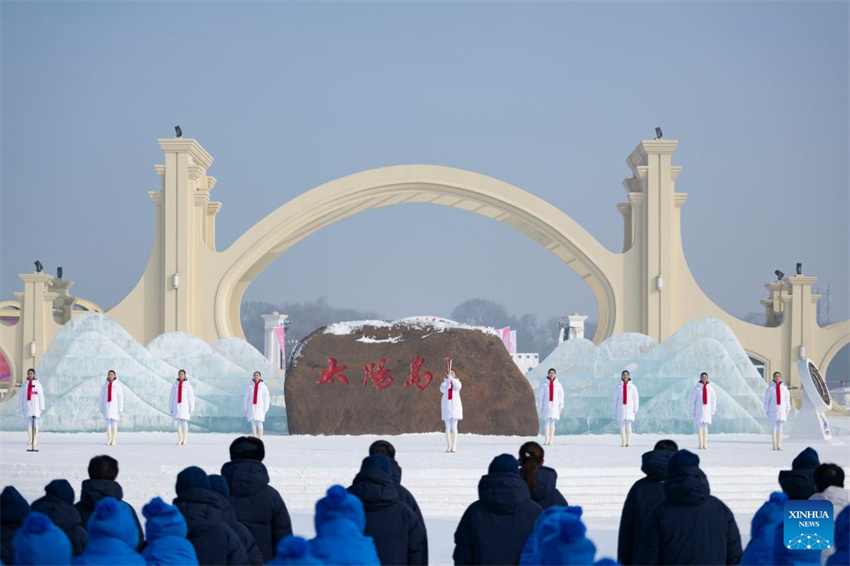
x,y
682,459
38,541
163,520
112,519
60,489
13,506
339,504
806,460
293,551
219,485
567,543
378,461
503,463
771,513
193,476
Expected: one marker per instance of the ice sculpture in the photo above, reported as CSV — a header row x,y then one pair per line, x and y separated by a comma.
x,y
665,375
75,365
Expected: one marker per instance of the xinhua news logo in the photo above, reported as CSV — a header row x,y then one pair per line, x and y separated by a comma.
x,y
808,525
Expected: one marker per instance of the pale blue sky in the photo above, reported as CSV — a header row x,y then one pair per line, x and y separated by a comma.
x,y
549,96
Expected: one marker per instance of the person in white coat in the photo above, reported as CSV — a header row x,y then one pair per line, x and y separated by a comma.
x,y
182,405
451,408
777,403
626,404
257,402
703,407
111,405
32,405
550,403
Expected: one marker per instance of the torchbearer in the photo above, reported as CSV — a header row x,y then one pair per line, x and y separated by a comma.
x,y
626,404
550,403
182,404
451,406
32,405
703,407
111,405
257,402
777,403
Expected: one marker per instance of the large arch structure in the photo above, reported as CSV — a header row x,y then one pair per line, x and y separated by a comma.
x,y
464,190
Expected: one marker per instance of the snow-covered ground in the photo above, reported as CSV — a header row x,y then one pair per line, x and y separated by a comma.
x,y
593,470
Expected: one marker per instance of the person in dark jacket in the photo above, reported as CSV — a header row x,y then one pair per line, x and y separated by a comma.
x,y
493,530
38,541
101,483
767,519
219,487
13,510
645,494
214,541
340,521
258,505
541,481
690,526
842,540
396,529
58,504
112,536
384,448
165,533
799,482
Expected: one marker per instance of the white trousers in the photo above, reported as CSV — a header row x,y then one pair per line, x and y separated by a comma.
x,y
183,424
626,425
451,425
777,426
703,426
258,426
32,422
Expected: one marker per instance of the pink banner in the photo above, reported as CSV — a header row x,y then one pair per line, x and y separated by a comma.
x,y
507,338
280,334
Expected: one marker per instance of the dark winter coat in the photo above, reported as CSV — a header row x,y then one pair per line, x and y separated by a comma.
x,y
397,530
493,530
13,510
545,492
258,505
797,484
66,517
166,532
644,495
690,526
112,536
228,515
403,494
93,491
214,541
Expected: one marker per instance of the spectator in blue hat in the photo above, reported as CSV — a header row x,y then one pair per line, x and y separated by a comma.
x,y
165,533
762,530
293,551
531,553
58,504
566,543
340,523
112,536
38,541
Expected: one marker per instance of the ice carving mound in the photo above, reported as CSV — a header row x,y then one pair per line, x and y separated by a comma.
x,y
665,375
74,368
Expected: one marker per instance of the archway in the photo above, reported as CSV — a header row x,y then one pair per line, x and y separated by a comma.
x,y
465,190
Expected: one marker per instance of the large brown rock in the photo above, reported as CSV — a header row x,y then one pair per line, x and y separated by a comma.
x,y
497,399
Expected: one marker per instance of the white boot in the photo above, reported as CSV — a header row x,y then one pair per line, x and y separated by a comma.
x,y
34,437
448,441
254,432
705,441
108,436
701,446
778,440
551,435
185,435
260,432
622,437
628,437
454,442
179,435
114,436
29,436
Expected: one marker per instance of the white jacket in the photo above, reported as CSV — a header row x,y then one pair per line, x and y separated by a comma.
x,y
35,406
703,412
112,410
838,496
550,409
257,412
185,409
773,411
626,412
451,409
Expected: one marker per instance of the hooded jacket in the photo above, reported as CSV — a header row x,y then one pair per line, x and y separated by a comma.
x,y
799,482
258,505
545,492
214,541
690,526
58,504
38,541
396,529
165,530
112,536
763,529
494,529
340,521
219,487
93,490
13,510
645,494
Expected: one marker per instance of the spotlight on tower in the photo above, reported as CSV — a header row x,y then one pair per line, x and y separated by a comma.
x,y
779,275
658,134
58,273
38,267
179,131
799,268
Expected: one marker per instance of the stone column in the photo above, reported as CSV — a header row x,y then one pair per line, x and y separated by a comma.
x,y
36,321
270,345
801,310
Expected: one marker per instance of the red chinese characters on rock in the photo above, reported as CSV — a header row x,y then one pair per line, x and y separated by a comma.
x,y
416,379
328,374
380,377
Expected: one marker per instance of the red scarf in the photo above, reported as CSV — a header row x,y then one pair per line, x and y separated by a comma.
x,y
109,393
625,393
179,391
551,390
451,386
778,395
704,394
29,390
256,386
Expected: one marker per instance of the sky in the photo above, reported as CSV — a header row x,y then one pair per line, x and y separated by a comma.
x,y
548,96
